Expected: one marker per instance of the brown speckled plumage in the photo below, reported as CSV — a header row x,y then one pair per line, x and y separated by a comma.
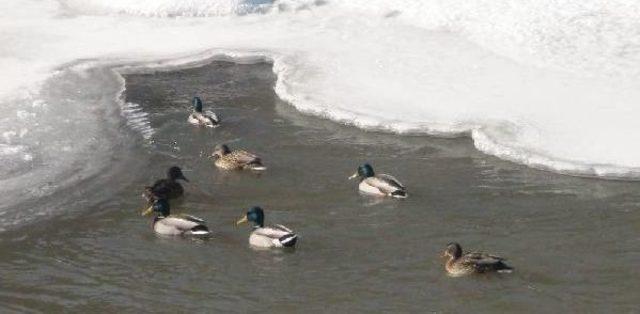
x,y
236,159
459,264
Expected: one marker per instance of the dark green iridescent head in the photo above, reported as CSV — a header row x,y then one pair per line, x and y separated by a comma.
x,y
256,215
197,104
161,207
365,171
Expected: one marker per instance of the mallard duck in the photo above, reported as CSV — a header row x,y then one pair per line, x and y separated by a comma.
x,y
199,118
168,188
182,224
459,264
236,159
267,237
381,184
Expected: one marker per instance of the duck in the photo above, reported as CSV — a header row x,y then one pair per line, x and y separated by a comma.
x,y
378,184
227,159
168,188
200,118
459,264
277,236
182,224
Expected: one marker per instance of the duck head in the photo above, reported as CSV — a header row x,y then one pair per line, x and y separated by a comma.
x,y
364,171
160,206
220,150
255,215
175,173
197,104
453,251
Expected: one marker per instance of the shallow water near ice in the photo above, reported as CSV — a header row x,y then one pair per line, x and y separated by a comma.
x,y
573,241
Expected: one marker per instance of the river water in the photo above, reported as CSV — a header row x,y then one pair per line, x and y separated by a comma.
x,y
573,241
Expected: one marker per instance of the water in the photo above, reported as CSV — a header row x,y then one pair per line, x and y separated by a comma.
x,y
573,241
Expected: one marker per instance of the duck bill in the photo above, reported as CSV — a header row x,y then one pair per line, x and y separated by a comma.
x,y
355,175
242,220
184,178
147,211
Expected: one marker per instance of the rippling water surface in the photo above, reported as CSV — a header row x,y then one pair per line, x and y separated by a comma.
x,y
573,241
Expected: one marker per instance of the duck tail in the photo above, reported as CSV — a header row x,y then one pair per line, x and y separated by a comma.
x,y
256,166
213,118
504,268
200,230
399,194
288,240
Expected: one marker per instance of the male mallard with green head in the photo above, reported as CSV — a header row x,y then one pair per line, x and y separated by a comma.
x,y
277,236
227,159
182,224
167,188
378,184
459,264
200,118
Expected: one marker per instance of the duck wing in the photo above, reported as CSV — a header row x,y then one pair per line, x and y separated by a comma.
x,y
478,256
385,183
212,117
391,181
483,262
273,232
182,222
283,228
186,223
278,235
244,157
189,218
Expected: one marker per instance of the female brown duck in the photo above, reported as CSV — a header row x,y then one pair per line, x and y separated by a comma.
x,y
459,264
228,159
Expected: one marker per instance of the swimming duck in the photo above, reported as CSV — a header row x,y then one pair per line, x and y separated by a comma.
x,y
168,188
381,184
166,224
459,264
199,118
235,160
267,237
